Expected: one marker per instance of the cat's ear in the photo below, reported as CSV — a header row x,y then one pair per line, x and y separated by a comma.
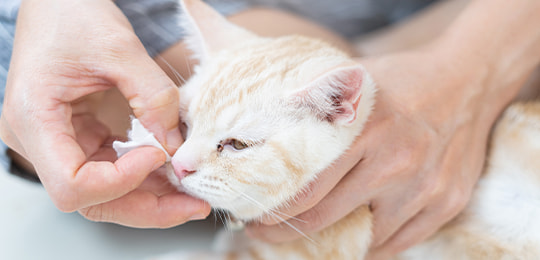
x,y
208,31
335,95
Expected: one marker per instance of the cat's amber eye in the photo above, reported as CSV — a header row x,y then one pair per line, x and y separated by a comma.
x,y
238,145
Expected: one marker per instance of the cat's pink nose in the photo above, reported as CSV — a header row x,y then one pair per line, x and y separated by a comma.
x,y
183,173
181,170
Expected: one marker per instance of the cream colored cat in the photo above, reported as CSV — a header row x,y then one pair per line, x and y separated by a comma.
x,y
265,115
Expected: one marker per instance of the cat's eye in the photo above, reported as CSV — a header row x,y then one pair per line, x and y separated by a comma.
x,y
234,143
238,145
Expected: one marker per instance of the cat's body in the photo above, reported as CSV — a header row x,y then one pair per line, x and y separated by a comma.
x,y
264,116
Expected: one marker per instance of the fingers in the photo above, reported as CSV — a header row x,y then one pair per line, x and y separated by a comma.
x,y
440,209
75,186
338,203
395,208
324,183
152,96
416,230
389,215
373,179
44,122
158,183
144,209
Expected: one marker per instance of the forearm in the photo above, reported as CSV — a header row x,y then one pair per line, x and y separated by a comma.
x,y
499,41
479,63
415,31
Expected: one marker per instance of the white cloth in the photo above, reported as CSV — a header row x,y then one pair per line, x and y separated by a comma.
x,y
138,136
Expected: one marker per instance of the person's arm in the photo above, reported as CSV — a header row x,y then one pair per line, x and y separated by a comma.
x,y
423,149
63,51
263,21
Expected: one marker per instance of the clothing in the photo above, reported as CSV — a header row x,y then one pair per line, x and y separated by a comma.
x,y
8,14
155,22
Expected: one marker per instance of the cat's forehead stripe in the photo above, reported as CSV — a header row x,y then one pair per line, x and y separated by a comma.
x,y
286,157
238,83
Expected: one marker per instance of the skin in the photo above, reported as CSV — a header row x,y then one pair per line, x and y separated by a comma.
x,y
64,51
420,187
415,163
423,150
95,85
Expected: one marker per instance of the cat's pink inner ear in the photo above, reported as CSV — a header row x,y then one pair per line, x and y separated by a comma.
x,y
351,94
335,95
208,31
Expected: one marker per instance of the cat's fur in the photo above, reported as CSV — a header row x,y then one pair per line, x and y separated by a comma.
x,y
297,104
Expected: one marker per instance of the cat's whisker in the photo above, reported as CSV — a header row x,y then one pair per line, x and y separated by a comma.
x,y
177,74
188,65
282,220
227,224
289,216
218,213
273,214
215,218
222,216
273,211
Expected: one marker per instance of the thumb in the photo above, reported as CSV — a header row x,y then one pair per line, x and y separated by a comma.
x,y
153,97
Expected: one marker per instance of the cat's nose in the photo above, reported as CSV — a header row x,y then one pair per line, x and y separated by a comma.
x,y
181,170
183,173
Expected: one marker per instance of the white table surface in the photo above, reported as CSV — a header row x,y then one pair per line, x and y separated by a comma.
x,y
32,228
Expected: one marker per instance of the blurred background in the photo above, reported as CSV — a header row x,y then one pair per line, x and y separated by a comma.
x,y
32,228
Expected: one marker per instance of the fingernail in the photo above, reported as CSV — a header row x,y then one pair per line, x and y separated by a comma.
x,y
198,216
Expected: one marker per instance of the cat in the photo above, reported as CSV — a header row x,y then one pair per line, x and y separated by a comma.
x,y
265,115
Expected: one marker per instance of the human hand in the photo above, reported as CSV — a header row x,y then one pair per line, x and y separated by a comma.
x,y
63,51
418,158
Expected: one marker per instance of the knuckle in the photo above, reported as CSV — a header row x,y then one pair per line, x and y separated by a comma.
x,y
164,98
402,160
456,201
403,163
65,201
159,101
121,45
435,186
313,220
432,188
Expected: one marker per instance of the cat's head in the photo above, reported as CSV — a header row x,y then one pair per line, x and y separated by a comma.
x,y
264,115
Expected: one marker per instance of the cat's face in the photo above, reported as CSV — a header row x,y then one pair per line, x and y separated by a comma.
x,y
264,116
